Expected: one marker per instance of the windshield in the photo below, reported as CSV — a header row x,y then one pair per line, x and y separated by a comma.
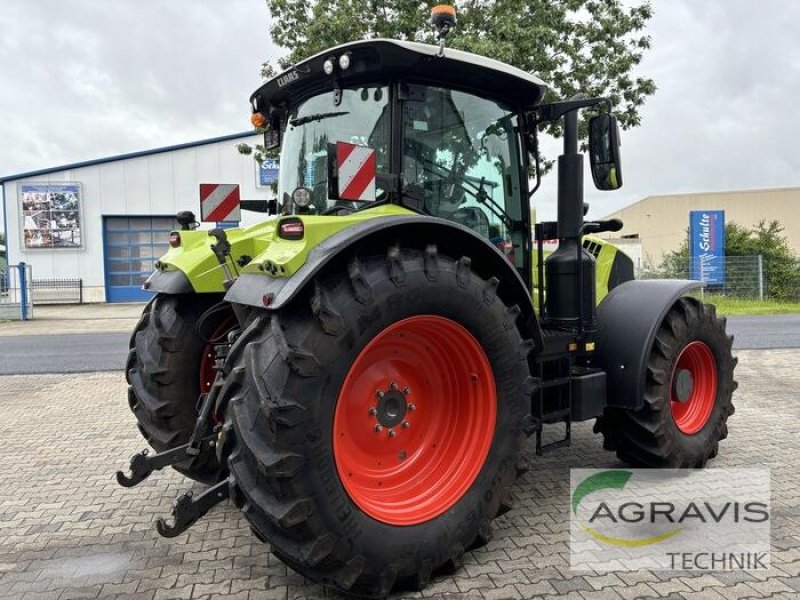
x,y
461,156
362,117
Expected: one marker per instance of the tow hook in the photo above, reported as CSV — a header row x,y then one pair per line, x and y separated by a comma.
x,y
143,463
187,509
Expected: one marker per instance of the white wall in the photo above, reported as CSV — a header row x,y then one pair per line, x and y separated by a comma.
x,y
156,184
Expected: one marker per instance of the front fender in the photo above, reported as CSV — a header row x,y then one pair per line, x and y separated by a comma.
x,y
628,319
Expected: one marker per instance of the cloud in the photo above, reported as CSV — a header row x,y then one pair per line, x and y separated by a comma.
x,y
723,115
88,79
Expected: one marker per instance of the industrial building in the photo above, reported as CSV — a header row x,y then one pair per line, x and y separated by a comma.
x,y
106,221
660,223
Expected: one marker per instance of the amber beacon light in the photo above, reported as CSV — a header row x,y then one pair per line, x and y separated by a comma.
x,y
443,19
443,14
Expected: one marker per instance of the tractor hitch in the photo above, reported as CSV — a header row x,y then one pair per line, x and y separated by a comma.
x,y
143,463
203,436
187,509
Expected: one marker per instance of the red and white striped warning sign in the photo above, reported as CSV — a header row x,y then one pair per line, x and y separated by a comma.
x,y
357,168
219,202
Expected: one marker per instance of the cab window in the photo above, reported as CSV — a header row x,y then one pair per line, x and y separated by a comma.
x,y
460,155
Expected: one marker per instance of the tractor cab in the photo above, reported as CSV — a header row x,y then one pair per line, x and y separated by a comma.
x,y
438,134
435,131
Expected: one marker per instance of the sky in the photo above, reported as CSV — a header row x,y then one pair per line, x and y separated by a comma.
x,y
84,79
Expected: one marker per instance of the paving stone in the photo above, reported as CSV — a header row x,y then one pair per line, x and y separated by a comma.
x,y
84,593
605,594
535,589
709,594
634,591
182,593
507,592
792,582
69,532
738,591
274,594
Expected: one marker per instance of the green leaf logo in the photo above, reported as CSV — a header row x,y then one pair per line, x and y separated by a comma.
x,y
599,481
615,480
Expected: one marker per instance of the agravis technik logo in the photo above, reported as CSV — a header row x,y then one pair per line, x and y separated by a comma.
x,y
641,518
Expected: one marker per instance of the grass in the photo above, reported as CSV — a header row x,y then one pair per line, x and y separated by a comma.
x,y
742,306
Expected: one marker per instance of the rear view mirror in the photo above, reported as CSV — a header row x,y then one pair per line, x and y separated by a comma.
x,y
272,139
272,135
604,155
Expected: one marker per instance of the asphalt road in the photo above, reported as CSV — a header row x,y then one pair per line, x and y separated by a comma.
x,y
79,353
75,353
764,332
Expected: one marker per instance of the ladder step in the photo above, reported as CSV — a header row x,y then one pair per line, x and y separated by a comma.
x,y
555,382
562,443
556,414
554,446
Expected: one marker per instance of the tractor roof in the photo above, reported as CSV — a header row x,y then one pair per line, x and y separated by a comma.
x,y
381,59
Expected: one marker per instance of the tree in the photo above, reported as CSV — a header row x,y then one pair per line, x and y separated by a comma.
x,y
589,46
781,268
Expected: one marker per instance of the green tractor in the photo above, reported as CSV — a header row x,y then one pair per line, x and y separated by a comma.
x,y
360,375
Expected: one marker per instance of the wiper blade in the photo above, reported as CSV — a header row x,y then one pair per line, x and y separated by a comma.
x,y
476,191
317,117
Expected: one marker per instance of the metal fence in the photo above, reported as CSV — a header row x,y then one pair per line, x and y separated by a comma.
x,y
15,293
57,291
743,277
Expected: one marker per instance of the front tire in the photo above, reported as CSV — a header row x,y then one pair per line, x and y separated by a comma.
x,y
687,400
314,465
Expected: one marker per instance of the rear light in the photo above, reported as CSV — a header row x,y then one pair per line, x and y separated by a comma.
x,y
174,239
291,229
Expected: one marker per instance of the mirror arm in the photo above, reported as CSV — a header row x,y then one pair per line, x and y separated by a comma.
x,y
534,131
556,110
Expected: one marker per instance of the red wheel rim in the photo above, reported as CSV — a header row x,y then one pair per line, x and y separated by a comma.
x,y
207,371
692,414
414,420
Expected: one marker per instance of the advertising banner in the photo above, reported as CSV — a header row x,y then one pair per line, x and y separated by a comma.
x,y
707,246
51,215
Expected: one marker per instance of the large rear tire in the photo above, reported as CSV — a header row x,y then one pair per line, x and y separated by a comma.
x,y
376,422
169,363
687,400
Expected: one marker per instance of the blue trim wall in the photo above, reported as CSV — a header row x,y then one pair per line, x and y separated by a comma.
x,y
100,161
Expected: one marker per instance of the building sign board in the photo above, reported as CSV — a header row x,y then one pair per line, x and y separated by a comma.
x,y
268,172
707,246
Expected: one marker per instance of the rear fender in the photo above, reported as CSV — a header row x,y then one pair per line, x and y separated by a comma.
x,y
192,266
374,235
628,319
